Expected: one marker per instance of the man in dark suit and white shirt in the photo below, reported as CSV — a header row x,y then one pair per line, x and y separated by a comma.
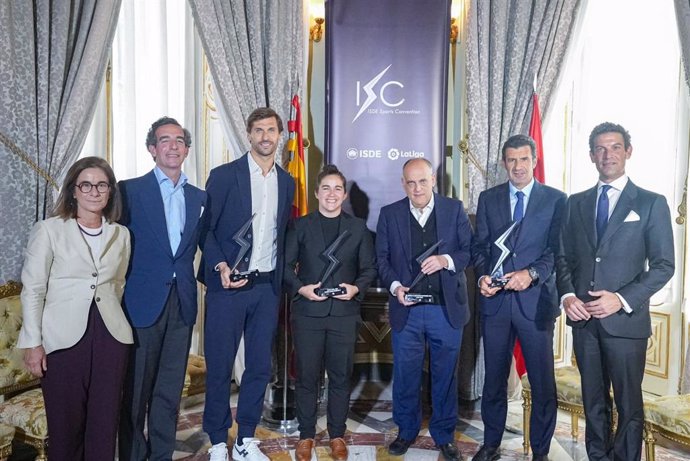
x,y
162,211
406,229
616,252
251,186
527,306
324,329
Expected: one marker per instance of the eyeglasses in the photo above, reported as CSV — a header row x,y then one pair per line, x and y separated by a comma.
x,y
101,187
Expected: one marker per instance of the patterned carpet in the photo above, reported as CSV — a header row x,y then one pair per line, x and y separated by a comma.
x,y
370,428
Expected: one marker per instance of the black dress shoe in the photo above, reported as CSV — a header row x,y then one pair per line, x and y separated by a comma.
x,y
487,453
540,457
399,446
450,452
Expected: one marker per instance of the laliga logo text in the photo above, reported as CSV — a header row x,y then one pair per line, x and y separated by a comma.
x,y
395,154
371,95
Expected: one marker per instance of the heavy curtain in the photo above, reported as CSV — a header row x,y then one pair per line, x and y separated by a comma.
x,y
511,43
255,52
683,20
52,57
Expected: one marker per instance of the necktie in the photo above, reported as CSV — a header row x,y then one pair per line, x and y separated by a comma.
x,y
602,210
519,210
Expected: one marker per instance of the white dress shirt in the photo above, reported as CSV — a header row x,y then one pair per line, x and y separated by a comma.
x,y
265,225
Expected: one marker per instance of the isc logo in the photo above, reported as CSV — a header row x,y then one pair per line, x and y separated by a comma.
x,y
368,89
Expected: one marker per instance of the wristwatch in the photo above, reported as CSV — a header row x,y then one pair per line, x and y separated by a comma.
x,y
533,274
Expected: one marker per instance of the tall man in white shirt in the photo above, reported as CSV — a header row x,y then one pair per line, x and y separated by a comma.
x,y
616,252
251,186
161,210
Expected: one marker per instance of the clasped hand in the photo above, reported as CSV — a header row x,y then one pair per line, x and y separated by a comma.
x,y
226,281
517,281
604,304
309,292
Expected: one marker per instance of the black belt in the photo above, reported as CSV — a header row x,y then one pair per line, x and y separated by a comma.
x,y
262,277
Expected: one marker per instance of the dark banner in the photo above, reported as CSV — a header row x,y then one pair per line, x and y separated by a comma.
x,y
386,93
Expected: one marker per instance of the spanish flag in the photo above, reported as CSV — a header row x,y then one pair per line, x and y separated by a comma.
x,y
296,165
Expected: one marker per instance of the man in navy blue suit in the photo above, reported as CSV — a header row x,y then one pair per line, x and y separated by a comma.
x,y
527,306
162,211
251,186
407,229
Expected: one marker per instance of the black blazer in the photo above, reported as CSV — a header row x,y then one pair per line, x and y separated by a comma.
x,y
304,265
634,258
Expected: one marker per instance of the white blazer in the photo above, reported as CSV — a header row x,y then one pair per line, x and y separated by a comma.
x,y
61,278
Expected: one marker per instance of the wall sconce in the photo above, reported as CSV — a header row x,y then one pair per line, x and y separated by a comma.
x,y
453,31
318,14
455,8
316,30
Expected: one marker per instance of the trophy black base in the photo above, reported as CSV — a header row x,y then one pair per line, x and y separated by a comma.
x,y
243,275
417,298
498,282
280,412
330,292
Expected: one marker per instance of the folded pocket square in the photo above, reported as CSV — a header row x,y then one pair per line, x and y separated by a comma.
x,y
202,212
632,217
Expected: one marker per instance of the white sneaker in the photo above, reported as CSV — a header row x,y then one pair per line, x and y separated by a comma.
x,y
248,451
218,452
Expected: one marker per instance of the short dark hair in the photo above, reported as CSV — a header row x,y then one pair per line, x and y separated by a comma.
x,y
517,141
329,170
66,205
151,139
263,113
608,127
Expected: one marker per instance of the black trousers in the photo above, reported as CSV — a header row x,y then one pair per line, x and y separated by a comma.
x,y
603,361
318,341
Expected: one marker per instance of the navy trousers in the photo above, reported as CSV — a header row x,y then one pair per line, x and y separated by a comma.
x,y
536,338
229,314
426,325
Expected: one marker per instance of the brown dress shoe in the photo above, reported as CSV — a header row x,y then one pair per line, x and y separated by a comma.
x,y
338,449
304,450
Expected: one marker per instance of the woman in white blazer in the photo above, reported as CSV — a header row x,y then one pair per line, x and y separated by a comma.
x,y
75,334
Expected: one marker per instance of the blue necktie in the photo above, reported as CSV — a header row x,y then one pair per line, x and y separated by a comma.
x,y
519,210
602,211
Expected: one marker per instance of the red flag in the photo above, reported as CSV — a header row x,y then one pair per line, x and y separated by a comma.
x,y
535,133
296,165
